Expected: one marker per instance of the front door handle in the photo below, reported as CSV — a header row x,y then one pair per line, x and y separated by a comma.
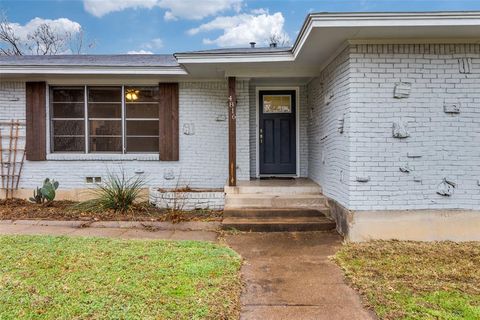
x,y
261,135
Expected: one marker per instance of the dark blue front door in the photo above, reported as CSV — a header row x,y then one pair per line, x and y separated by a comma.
x,y
277,132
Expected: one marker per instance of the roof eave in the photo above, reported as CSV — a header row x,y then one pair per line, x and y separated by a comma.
x,y
184,58
379,19
91,70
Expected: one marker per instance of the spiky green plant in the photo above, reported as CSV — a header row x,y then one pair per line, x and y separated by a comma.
x,y
45,194
117,192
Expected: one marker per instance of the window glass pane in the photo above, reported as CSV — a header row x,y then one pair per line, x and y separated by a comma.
x,y
68,128
68,144
105,144
68,135
142,103
141,94
68,110
149,144
104,94
105,127
142,110
277,104
104,110
68,94
142,128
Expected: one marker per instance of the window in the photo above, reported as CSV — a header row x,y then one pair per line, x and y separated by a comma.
x,y
68,119
277,104
141,118
114,119
105,119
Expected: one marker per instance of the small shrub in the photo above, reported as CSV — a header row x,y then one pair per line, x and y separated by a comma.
x,y
117,193
46,192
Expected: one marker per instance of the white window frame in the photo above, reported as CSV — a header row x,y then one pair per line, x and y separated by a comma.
x,y
87,155
50,118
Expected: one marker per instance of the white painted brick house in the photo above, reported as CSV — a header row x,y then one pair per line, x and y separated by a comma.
x,y
382,110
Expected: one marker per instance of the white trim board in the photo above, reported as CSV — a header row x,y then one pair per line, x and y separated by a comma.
x,y
297,129
90,70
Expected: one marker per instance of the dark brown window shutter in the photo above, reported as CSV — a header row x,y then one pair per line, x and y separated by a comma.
x,y
36,113
168,125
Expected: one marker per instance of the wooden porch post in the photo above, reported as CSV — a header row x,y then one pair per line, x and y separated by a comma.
x,y
232,132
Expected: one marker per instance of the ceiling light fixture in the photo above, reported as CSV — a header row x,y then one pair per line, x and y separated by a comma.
x,y
132,94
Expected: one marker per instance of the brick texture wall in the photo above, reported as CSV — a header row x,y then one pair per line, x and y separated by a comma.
x,y
441,145
328,104
203,155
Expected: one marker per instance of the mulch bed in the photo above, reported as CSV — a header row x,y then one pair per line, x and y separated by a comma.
x,y
17,209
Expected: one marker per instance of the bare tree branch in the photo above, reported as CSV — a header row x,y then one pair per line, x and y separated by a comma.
x,y
7,36
279,39
44,40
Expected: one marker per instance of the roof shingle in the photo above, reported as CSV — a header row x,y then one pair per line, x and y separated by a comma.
x,y
122,60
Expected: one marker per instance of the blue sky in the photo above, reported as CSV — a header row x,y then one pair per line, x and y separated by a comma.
x,y
166,26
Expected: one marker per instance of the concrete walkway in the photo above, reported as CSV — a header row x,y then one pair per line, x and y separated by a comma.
x,y
125,230
289,276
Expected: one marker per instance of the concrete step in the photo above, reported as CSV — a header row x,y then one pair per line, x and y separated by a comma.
x,y
238,201
266,213
274,190
276,224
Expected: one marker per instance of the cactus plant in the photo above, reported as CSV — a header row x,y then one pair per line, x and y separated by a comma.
x,y
48,189
46,192
37,196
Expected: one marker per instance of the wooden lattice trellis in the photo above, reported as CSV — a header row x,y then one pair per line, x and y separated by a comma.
x,y
12,155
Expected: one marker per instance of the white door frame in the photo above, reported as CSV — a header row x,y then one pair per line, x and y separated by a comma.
x,y
297,130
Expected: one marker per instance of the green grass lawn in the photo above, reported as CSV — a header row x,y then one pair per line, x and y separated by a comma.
x,y
413,280
43,277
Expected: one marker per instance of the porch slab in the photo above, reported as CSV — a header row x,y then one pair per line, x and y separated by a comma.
x,y
275,186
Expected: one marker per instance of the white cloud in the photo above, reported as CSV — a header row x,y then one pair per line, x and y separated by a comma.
x,y
139,52
59,26
175,9
100,8
148,47
258,11
196,9
31,41
241,29
169,16
156,43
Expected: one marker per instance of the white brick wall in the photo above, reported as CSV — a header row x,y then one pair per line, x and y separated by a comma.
x,y
199,199
362,79
449,144
328,163
303,130
203,156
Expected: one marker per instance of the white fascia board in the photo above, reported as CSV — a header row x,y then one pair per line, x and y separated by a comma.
x,y
419,16
233,58
416,41
401,22
78,70
398,19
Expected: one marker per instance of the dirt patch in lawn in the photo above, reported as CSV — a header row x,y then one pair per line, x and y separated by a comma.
x,y
17,209
414,280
